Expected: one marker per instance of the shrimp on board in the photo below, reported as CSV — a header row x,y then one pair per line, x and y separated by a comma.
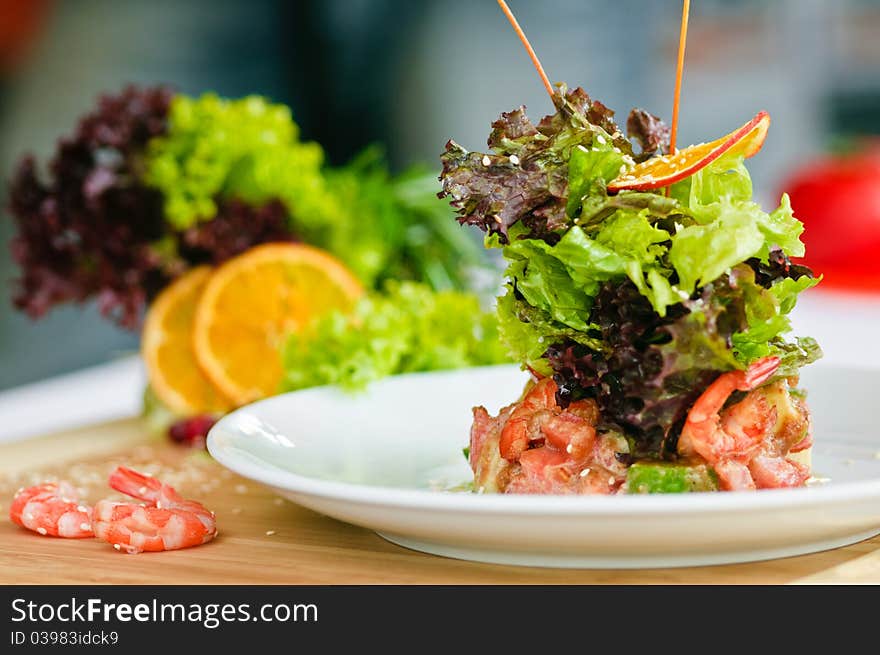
x,y
52,509
164,521
744,442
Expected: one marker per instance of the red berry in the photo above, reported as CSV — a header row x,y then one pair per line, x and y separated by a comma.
x,y
192,431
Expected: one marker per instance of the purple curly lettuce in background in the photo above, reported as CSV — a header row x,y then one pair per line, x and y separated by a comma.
x,y
94,230
86,231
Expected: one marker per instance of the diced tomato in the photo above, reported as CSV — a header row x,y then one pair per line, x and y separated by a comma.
x,y
570,434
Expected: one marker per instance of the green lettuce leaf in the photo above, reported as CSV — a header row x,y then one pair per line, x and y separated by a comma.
x,y
407,328
702,253
725,187
527,331
781,228
766,313
589,170
562,279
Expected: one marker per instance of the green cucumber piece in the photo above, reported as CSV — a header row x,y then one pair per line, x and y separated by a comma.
x,y
669,478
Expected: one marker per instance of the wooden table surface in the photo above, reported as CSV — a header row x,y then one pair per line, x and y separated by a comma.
x,y
264,539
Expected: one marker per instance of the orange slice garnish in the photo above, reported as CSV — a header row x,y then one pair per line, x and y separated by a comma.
x,y
167,349
253,302
662,171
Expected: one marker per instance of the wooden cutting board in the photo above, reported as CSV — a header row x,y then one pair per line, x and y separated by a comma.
x,y
264,539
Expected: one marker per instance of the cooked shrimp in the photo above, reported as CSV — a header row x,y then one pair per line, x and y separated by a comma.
x,y
167,522
52,509
526,420
741,442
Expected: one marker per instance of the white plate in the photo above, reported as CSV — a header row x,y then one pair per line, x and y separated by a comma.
x,y
382,460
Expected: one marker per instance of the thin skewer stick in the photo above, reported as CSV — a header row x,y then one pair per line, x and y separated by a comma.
x,y
682,39
528,47
679,69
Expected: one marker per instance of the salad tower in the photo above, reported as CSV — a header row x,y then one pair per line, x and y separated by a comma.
x,y
649,296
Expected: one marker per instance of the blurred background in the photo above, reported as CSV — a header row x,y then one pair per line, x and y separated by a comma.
x,y
411,74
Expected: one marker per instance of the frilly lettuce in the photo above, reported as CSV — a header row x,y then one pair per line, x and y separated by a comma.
x,y
406,328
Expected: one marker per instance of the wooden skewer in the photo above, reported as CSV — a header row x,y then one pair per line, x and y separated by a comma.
x,y
528,47
682,39
679,69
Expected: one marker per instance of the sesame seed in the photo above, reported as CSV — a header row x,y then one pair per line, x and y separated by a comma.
x,y
269,533
601,139
41,530
142,490
569,449
616,149
84,527
117,546
514,160
82,508
486,160
585,472
623,168
611,480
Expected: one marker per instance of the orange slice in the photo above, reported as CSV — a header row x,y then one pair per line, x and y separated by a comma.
x,y
253,301
662,171
167,349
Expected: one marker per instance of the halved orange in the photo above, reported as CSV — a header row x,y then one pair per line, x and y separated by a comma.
x,y
253,302
662,171
167,349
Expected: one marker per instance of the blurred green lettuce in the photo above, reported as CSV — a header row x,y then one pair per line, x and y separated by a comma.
x,y
406,328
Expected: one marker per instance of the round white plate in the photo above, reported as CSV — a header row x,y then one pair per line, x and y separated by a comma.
x,y
386,459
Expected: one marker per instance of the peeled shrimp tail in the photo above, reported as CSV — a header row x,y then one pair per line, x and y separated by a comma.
x,y
143,487
759,372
